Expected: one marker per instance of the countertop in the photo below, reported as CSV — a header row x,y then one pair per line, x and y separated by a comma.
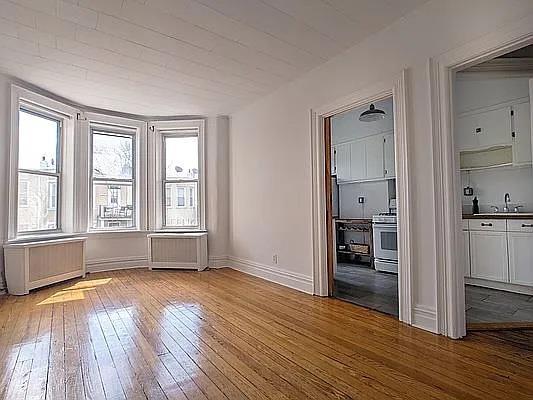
x,y
499,216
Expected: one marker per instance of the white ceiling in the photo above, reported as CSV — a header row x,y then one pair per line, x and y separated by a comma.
x,y
175,57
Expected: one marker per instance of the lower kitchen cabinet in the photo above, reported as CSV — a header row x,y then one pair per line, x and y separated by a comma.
x,y
466,248
520,257
489,256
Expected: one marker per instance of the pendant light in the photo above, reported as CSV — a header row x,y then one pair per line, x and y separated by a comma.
x,y
372,114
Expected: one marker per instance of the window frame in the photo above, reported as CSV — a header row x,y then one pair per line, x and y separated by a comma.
x,y
117,131
45,106
178,128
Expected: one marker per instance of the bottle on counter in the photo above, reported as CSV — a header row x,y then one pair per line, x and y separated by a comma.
x,y
475,206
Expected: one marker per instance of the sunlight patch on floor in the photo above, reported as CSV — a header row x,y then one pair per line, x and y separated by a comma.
x,y
74,292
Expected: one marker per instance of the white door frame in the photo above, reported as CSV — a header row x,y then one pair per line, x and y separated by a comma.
x,y
398,90
447,184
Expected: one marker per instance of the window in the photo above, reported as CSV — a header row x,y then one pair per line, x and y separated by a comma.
x,y
52,195
113,178
181,152
39,175
181,197
23,194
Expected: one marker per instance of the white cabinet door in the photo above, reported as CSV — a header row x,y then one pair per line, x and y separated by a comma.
x,y
466,248
388,151
333,160
484,129
358,160
343,162
488,255
521,127
374,157
520,258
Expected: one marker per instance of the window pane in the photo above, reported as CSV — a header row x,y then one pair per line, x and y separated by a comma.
x,y
181,157
37,202
183,211
38,142
112,156
112,205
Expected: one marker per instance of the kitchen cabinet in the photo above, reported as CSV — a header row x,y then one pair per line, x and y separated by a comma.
x,y
388,153
333,160
520,258
358,160
488,255
373,148
466,249
521,128
343,162
484,129
520,244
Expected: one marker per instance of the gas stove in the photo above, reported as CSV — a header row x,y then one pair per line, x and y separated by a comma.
x,y
384,218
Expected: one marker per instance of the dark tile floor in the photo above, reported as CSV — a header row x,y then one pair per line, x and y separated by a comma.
x,y
489,305
367,287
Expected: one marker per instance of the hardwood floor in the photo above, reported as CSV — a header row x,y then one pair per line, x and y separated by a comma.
x,y
220,334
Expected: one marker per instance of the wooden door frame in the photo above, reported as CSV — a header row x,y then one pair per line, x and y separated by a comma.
x,y
398,90
451,319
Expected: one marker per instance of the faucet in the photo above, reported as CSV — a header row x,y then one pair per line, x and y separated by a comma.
x,y
507,199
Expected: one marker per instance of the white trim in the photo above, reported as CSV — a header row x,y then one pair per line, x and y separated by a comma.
x,y
398,90
219,262
449,277
425,318
283,277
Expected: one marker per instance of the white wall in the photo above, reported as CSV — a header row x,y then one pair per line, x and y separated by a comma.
x,y
376,196
491,185
270,147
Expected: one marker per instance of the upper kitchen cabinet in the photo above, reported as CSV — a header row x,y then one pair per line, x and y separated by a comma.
x,y
388,155
374,149
484,129
521,132
493,121
358,159
343,162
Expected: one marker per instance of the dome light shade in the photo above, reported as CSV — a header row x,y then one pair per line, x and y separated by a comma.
x,y
372,114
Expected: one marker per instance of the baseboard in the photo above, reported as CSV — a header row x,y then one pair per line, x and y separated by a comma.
x,y
290,279
110,264
425,318
508,287
219,261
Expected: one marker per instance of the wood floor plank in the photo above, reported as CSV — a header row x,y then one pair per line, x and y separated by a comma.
x,y
224,335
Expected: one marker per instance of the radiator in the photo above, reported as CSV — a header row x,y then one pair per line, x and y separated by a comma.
x,y
30,265
178,250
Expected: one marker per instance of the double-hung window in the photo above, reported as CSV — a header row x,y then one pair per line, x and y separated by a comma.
x,y
39,170
113,188
179,170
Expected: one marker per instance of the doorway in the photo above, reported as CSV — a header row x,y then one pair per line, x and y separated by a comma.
x,y
362,215
492,137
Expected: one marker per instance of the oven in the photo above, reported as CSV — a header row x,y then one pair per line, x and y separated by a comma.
x,y
385,246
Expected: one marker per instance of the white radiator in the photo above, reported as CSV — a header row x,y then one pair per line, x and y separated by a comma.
x,y
30,265
178,250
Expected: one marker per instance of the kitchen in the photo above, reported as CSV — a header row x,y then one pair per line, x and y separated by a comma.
x,y
365,267
494,147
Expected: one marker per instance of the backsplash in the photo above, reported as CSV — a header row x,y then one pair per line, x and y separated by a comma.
x,y
375,194
490,186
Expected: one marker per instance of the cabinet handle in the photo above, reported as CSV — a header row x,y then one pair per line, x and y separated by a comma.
x,y
484,224
527,225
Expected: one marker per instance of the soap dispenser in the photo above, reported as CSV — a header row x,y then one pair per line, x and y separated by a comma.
x,y
475,206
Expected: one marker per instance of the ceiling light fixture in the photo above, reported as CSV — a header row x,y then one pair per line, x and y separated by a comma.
x,y
372,114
